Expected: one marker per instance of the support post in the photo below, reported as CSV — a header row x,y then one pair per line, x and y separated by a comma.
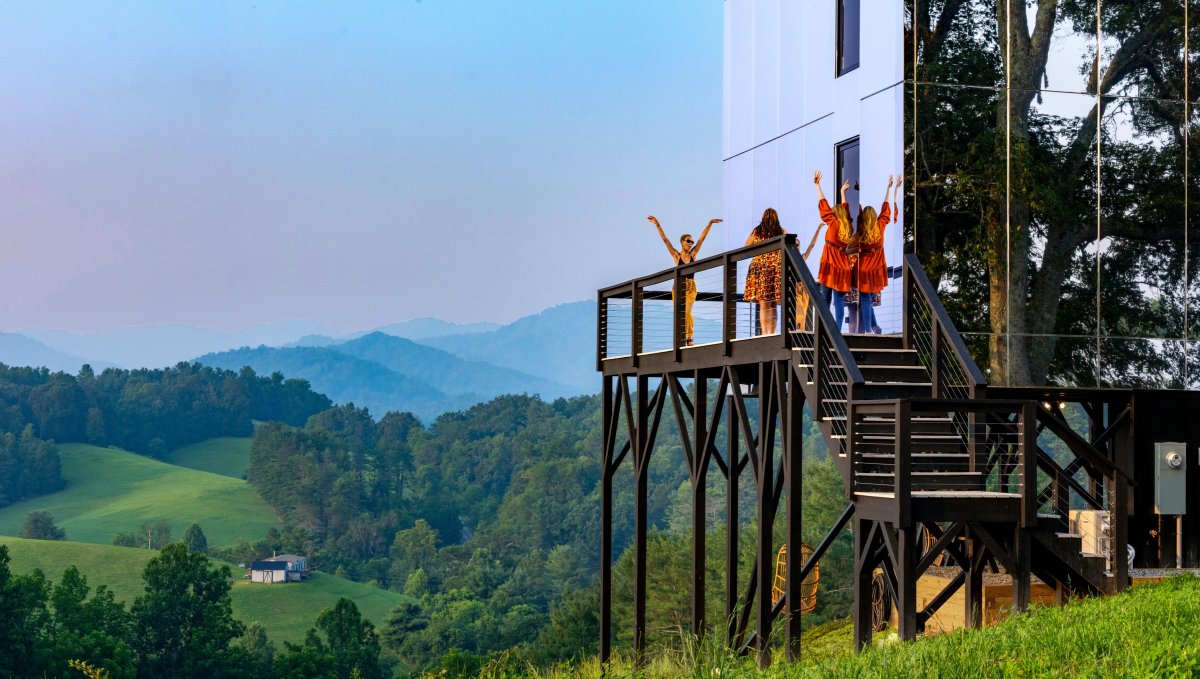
x,y
731,522
641,512
606,513
862,583
766,513
793,450
973,586
1021,573
699,478
906,582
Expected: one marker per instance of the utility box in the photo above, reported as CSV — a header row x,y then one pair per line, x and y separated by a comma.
x,y
1170,478
1095,529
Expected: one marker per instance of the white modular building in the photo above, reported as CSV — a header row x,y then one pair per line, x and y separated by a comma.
x,y
813,85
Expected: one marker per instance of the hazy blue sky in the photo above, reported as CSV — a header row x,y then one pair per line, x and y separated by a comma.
x,y
226,164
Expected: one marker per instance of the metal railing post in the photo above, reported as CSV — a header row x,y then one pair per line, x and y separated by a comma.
x,y
636,341
728,304
679,300
1028,432
903,489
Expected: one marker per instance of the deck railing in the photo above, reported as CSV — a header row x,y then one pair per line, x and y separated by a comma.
x,y
929,330
906,446
813,332
644,316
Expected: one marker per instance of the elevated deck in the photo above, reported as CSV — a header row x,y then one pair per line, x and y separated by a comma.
x,y
937,465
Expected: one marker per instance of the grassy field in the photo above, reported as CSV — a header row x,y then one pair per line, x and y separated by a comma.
x,y
227,456
287,611
110,490
1148,631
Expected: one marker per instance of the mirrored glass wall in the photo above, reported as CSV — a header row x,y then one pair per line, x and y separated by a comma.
x,y
1051,184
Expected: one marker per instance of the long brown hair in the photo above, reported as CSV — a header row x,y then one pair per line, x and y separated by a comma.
x,y
769,227
868,225
843,216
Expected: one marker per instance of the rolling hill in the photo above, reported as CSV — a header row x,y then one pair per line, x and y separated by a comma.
x,y
345,379
558,344
386,373
447,372
227,456
111,490
287,611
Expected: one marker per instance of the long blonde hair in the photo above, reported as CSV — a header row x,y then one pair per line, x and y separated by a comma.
x,y
843,217
868,225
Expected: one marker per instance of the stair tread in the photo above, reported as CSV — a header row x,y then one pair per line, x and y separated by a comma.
x,y
892,473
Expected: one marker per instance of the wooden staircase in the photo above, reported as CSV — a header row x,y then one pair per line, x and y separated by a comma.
x,y
950,440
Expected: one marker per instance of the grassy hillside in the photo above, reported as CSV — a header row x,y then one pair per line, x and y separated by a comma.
x,y
1148,631
287,611
110,490
227,456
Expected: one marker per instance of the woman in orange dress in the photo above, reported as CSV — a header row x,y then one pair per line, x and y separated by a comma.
x,y
872,265
762,281
837,265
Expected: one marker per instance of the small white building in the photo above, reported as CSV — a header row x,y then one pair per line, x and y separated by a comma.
x,y
281,568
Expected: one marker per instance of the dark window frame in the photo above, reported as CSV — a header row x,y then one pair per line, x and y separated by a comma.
x,y
840,150
840,68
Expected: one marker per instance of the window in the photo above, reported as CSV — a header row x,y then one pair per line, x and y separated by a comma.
x,y
847,170
847,36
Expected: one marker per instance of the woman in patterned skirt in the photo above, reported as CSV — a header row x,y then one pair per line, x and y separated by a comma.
x,y
762,282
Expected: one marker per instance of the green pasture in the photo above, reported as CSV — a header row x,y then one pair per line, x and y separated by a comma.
x,y
287,611
1148,631
111,490
227,456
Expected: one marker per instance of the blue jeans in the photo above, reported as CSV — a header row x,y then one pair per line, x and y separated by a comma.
x,y
838,300
866,312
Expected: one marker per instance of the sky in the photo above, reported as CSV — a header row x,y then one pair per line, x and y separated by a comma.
x,y
227,164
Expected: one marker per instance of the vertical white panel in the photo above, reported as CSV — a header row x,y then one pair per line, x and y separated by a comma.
x,y
793,51
766,179
819,29
846,106
766,70
741,102
727,82
796,191
738,199
881,61
883,155
819,154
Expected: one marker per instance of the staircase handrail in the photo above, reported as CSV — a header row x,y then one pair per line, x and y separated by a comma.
x,y
823,320
916,281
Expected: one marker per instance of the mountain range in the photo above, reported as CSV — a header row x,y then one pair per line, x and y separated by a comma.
x,y
426,366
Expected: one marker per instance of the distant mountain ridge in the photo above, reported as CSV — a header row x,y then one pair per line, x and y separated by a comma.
x,y
161,346
343,378
386,373
557,344
19,350
425,328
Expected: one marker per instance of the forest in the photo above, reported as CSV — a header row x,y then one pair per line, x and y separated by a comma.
x,y
486,519
145,411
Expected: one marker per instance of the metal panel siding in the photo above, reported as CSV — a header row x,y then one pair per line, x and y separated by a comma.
x,y
785,111
766,70
741,68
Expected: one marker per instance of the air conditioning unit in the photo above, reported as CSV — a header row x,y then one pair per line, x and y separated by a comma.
x,y
1095,527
